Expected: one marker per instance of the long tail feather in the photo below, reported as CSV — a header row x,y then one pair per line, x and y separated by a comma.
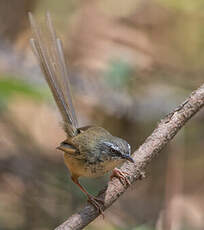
x,y
49,52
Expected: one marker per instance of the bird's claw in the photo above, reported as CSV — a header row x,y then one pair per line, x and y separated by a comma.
x,y
97,203
121,175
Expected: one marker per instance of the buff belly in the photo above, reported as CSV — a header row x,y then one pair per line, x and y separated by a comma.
x,y
82,168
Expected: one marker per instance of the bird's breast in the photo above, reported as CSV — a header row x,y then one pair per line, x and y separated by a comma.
x,y
81,167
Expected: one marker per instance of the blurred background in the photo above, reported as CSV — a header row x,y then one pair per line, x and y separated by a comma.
x,y
131,62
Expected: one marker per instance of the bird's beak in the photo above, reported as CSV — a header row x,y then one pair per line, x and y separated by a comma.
x,y
128,157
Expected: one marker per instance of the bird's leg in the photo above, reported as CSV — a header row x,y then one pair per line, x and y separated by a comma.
x,y
96,202
121,175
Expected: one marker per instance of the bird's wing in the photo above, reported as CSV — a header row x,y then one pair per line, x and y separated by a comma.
x,y
47,47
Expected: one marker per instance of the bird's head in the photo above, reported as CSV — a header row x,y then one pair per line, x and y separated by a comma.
x,y
117,148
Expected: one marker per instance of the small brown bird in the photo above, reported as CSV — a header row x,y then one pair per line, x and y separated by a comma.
x,y
88,151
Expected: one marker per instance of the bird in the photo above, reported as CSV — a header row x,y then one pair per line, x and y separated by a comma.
x,y
89,151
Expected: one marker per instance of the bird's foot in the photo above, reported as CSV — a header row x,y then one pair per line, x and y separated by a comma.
x,y
97,203
121,175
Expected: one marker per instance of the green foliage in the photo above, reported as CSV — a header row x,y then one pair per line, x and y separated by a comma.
x,y
12,87
118,73
142,227
185,5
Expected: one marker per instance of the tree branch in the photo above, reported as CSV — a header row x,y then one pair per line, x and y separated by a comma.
x,y
165,131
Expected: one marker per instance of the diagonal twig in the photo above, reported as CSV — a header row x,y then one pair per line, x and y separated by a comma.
x,y
165,131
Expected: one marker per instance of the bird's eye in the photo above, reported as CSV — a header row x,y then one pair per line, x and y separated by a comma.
x,y
113,150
